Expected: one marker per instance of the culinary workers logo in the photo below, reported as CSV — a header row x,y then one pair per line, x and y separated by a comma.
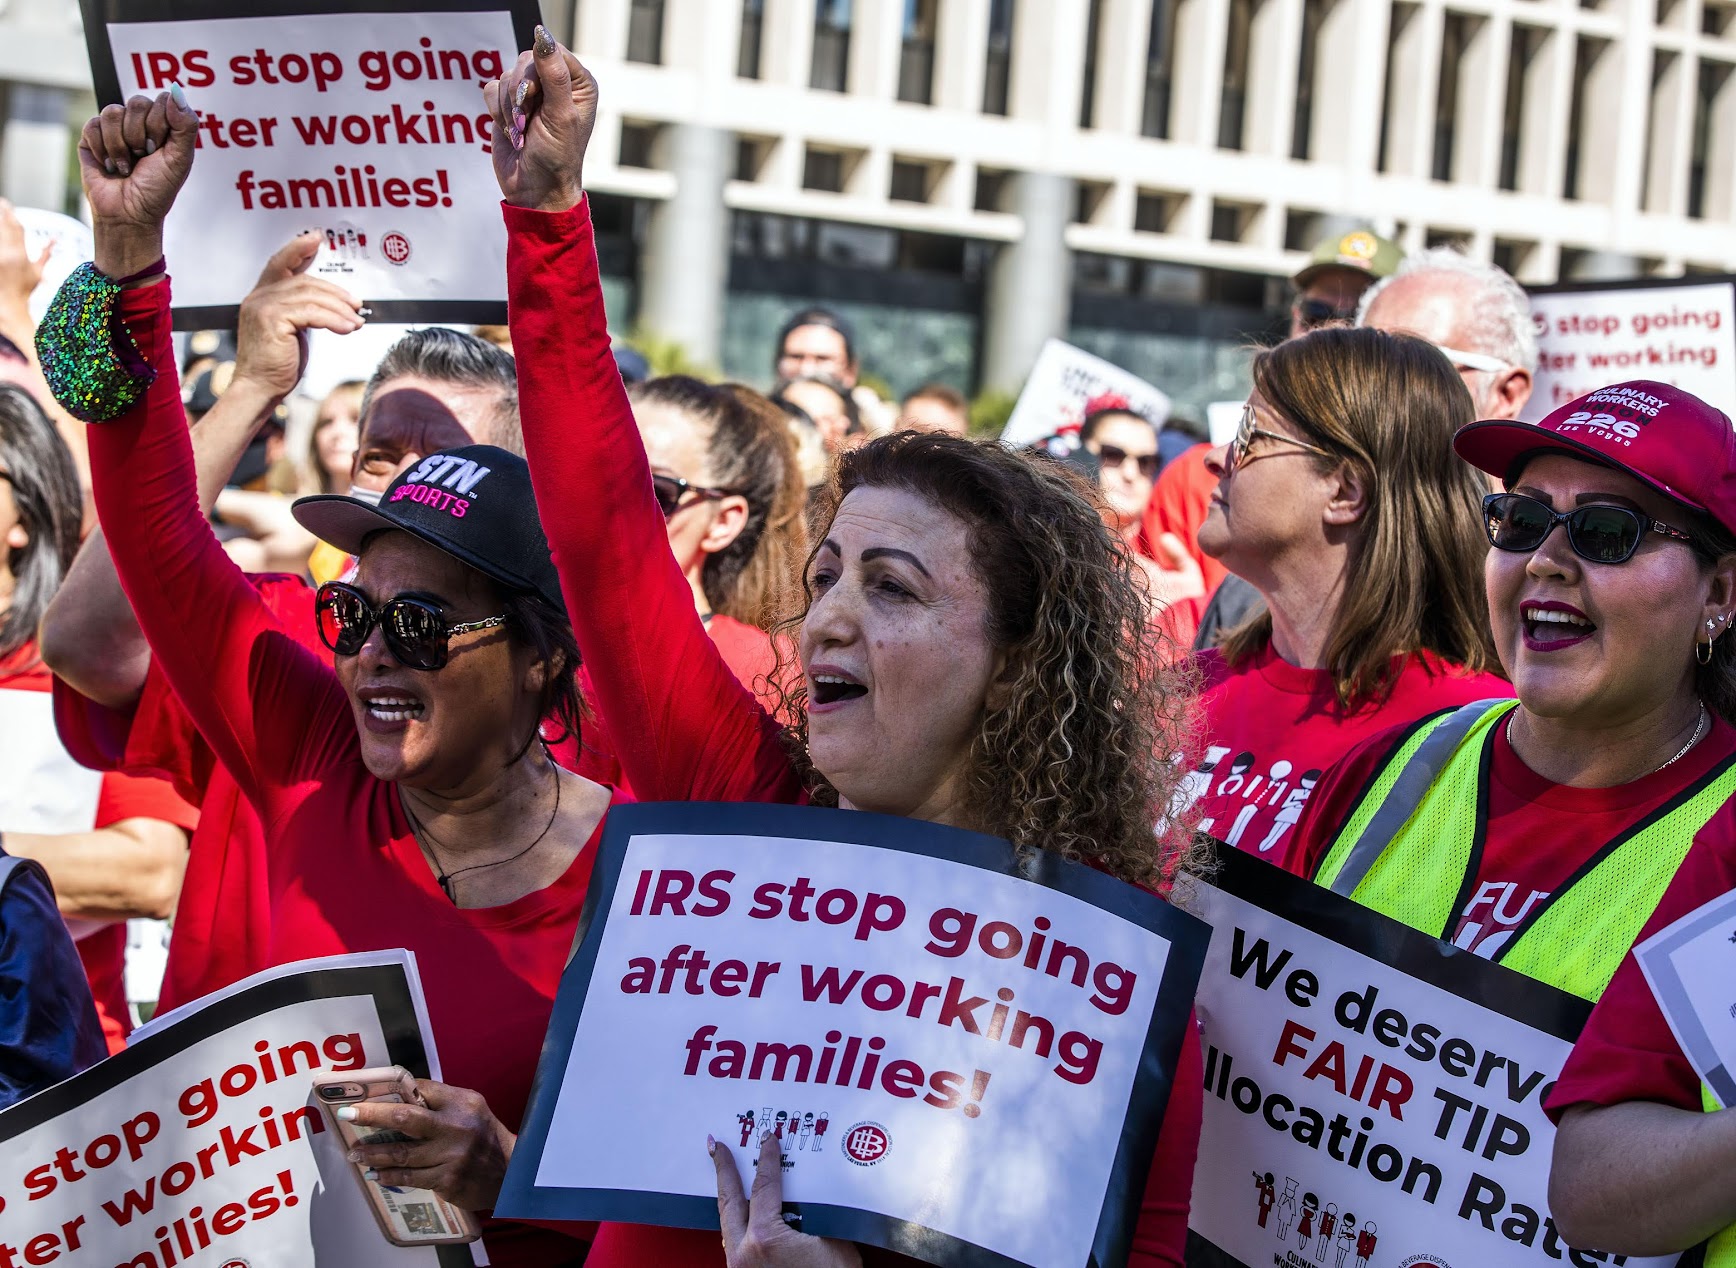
x,y
866,1144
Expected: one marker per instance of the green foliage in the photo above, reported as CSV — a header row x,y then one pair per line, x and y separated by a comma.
x,y
667,356
989,413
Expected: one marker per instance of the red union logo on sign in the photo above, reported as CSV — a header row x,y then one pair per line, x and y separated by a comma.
x,y
395,247
866,1144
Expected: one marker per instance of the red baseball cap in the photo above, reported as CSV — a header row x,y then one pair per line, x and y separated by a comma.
x,y
1667,439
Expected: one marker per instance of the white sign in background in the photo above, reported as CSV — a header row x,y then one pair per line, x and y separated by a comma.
x,y
1443,1156
1681,335
1691,968
215,1154
641,1124
1061,383
369,127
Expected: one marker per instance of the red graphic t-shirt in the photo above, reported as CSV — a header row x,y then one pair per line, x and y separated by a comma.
x,y
1271,729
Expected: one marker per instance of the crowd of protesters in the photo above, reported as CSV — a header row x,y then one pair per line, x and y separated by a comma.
x,y
1471,672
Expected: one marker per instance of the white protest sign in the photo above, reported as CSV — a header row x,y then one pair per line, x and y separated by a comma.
x,y
1683,335
1691,966
200,1143
1359,1115
368,127
1063,381
933,1040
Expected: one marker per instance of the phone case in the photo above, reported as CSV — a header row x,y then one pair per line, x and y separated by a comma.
x,y
407,1217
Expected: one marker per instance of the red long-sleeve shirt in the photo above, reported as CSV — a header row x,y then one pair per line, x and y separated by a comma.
x,y
345,872
699,734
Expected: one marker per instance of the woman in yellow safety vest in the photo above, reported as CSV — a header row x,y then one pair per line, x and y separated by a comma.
x,y
1542,832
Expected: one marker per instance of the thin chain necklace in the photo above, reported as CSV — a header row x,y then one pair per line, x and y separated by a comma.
x,y
428,841
1693,739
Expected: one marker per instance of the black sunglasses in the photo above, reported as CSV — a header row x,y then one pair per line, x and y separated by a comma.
x,y
1600,533
1114,456
1317,312
672,491
415,630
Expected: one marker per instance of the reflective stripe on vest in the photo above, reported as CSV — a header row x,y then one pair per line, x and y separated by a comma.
x,y
1412,849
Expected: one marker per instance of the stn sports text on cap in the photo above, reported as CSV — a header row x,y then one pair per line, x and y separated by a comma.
x,y
475,503
1667,439
1360,249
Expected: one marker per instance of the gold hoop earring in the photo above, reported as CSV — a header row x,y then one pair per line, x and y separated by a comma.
x,y
1703,652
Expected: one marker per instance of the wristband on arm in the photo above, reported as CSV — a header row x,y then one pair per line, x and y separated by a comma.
x,y
92,363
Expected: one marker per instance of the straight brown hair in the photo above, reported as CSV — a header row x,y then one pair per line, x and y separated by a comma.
x,y
1388,405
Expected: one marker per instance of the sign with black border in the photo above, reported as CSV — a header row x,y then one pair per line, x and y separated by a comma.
x,y
587,984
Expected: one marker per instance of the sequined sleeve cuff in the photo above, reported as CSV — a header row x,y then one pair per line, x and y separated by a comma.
x,y
89,356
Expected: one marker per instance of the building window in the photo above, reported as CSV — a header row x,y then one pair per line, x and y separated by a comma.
x,y
1714,76
1233,102
1526,42
909,182
1088,92
916,58
1457,31
823,170
747,54
1159,70
830,69
1585,56
645,32
991,188
997,72
1402,16
638,144
1301,130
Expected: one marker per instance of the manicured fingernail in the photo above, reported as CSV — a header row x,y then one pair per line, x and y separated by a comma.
x,y
109,166
711,1145
364,312
522,93
123,167
150,146
370,1174
545,43
347,1113
179,94
353,1156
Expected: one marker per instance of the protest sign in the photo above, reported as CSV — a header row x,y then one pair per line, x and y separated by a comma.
x,y
959,1064
1681,332
202,1135
1374,1098
68,242
366,126
1063,382
1689,968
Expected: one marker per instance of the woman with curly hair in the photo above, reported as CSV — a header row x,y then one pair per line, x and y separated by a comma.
x,y
973,649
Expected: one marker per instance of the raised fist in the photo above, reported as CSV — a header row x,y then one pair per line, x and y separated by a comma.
x,y
544,109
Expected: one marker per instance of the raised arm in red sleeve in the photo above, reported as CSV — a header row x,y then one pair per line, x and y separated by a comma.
x,y
271,710
683,727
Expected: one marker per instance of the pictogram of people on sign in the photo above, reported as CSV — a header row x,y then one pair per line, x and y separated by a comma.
x,y
1268,1194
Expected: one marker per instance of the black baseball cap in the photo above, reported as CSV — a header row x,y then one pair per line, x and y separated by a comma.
x,y
475,503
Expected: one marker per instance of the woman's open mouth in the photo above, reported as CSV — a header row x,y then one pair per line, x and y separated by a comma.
x,y
825,689
1549,627
385,711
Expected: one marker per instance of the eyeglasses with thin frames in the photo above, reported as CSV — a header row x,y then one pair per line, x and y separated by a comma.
x,y
1237,453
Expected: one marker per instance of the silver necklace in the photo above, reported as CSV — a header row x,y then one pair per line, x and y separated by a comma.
x,y
1693,739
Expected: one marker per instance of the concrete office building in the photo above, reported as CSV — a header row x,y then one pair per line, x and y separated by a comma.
x,y
968,177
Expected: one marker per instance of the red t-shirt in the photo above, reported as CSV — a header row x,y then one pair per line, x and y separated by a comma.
x,y
79,801
701,735
344,872
1538,833
223,920
1271,729
1626,1051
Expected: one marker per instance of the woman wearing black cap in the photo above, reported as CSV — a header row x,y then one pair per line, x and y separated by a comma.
x,y
408,799
1541,833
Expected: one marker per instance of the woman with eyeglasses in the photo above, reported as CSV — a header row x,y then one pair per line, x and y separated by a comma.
x,y
726,477
408,798
1541,832
1340,501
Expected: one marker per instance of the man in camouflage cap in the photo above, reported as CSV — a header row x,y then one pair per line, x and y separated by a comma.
x,y
1338,271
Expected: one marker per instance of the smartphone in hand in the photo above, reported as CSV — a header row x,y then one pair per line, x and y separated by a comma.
x,y
408,1217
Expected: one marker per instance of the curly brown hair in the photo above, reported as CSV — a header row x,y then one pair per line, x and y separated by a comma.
x,y
1077,758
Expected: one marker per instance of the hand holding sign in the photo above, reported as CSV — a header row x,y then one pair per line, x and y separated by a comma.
x,y
456,1146
754,1232
544,108
134,160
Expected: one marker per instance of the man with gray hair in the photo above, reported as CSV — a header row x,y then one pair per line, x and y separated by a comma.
x,y
1477,315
